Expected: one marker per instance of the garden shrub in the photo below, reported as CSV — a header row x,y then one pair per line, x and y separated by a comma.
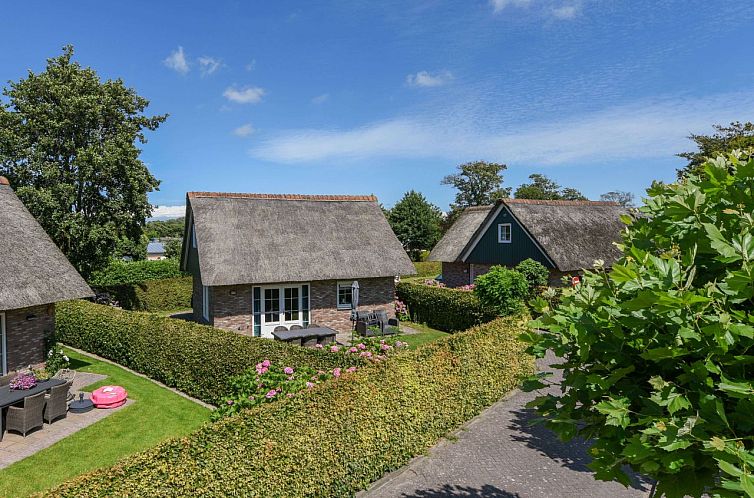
x,y
502,289
536,274
120,272
196,359
169,294
658,352
427,269
449,310
336,438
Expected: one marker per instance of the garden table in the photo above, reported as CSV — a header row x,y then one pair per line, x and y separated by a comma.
x,y
10,397
307,337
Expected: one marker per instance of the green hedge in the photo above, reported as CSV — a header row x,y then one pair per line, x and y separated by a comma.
x,y
336,438
442,308
427,269
196,359
133,272
167,294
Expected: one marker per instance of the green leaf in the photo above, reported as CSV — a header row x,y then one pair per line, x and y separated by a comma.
x,y
738,389
720,244
677,402
616,411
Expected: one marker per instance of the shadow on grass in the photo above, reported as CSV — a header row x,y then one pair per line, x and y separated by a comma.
x,y
453,491
572,454
77,363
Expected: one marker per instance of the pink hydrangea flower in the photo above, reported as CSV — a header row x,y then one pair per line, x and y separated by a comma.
x,y
319,346
309,385
334,349
361,345
290,395
288,370
385,347
270,394
366,354
336,372
351,369
266,363
230,402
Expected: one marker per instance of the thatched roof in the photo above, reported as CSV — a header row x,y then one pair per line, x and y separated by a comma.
x,y
572,234
460,233
260,238
34,271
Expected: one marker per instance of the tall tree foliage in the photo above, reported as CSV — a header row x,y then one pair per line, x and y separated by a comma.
x,y
68,146
658,353
737,135
542,187
625,199
416,223
477,183
165,228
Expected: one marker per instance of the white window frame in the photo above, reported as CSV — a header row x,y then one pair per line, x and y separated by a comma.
x,y
205,302
337,295
500,238
3,346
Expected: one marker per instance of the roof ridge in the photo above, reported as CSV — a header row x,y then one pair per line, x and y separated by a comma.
x,y
559,202
283,197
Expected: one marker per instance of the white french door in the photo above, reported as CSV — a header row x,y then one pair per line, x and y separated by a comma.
x,y
284,305
3,346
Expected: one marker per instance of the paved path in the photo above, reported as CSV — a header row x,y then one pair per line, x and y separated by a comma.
x,y
497,455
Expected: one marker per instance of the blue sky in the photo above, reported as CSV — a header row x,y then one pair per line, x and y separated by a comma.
x,y
382,97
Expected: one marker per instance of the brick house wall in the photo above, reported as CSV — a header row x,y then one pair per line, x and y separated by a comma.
x,y
455,274
230,306
26,331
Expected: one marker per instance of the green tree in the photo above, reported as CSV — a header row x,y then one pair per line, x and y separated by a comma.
x,y
658,353
544,188
478,183
502,289
416,223
165,228
173,248
625,199
737,135
68,146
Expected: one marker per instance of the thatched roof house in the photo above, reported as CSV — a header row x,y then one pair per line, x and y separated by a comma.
x,y
35,275
565,236
263,261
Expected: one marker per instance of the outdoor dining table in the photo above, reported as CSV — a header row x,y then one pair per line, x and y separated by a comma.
x,y
10,397
306,337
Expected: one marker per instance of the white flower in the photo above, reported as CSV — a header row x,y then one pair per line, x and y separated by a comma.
x,y
65,358
599,263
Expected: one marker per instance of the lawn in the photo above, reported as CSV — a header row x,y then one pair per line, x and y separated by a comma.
x,y
426,334
157,414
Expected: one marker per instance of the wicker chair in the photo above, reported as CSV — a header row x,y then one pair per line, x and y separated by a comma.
x,y
23,419
280,328
56,405
5,379
67,375
296,327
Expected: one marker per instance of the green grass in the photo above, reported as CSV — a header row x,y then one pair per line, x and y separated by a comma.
x,y
427,269
426,334
157,414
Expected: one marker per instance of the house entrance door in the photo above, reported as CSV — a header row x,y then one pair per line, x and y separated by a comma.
x,y
282,306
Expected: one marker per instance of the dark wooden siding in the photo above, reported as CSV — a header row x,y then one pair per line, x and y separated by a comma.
x,y
490,251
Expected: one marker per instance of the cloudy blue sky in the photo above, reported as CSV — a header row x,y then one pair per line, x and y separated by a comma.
x,y
352,96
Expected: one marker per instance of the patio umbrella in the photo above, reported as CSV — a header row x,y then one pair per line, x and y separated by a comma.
x,y
355,295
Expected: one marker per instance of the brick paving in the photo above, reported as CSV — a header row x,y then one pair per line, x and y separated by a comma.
x,y
498,455
15,447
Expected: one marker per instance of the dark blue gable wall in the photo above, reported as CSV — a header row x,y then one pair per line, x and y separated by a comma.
x,y
490,251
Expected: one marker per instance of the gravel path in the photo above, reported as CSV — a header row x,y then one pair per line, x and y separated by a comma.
x,y
498,455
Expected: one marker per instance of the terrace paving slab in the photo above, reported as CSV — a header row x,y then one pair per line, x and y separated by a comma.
x,y
14,447
499,455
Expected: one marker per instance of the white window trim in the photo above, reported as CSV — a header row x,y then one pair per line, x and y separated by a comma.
x,y
500,233
337,295
3,346
205,302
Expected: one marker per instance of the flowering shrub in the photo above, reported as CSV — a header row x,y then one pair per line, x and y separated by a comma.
x,y
56,360
466,288
23,381
431,282
401,311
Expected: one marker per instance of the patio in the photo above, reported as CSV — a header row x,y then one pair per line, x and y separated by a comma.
x,y
15,447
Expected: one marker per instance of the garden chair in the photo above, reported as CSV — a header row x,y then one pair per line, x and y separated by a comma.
x,y
67,375
280,328
56,403
23,419
296,327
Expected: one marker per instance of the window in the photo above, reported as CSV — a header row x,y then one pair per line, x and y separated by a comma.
x,y
504,233
205,302
193,236
272,305
257,311
291,304
345,295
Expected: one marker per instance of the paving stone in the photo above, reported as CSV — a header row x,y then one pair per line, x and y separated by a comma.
x,y
499,455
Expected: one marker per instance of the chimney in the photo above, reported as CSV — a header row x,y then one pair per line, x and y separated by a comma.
x,y
4,181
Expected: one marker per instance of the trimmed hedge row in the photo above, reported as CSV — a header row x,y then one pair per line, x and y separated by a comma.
x,y
167,294
193,358
336,438
444,309
132,272
427,269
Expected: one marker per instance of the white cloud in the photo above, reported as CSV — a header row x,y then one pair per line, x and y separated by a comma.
x,y
426,79
246,95
244,130
251,65
656,128
208,65
168,212
499,5
177,61
321,99
565,12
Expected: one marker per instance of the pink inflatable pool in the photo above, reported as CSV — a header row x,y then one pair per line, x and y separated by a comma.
x,y
109,397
